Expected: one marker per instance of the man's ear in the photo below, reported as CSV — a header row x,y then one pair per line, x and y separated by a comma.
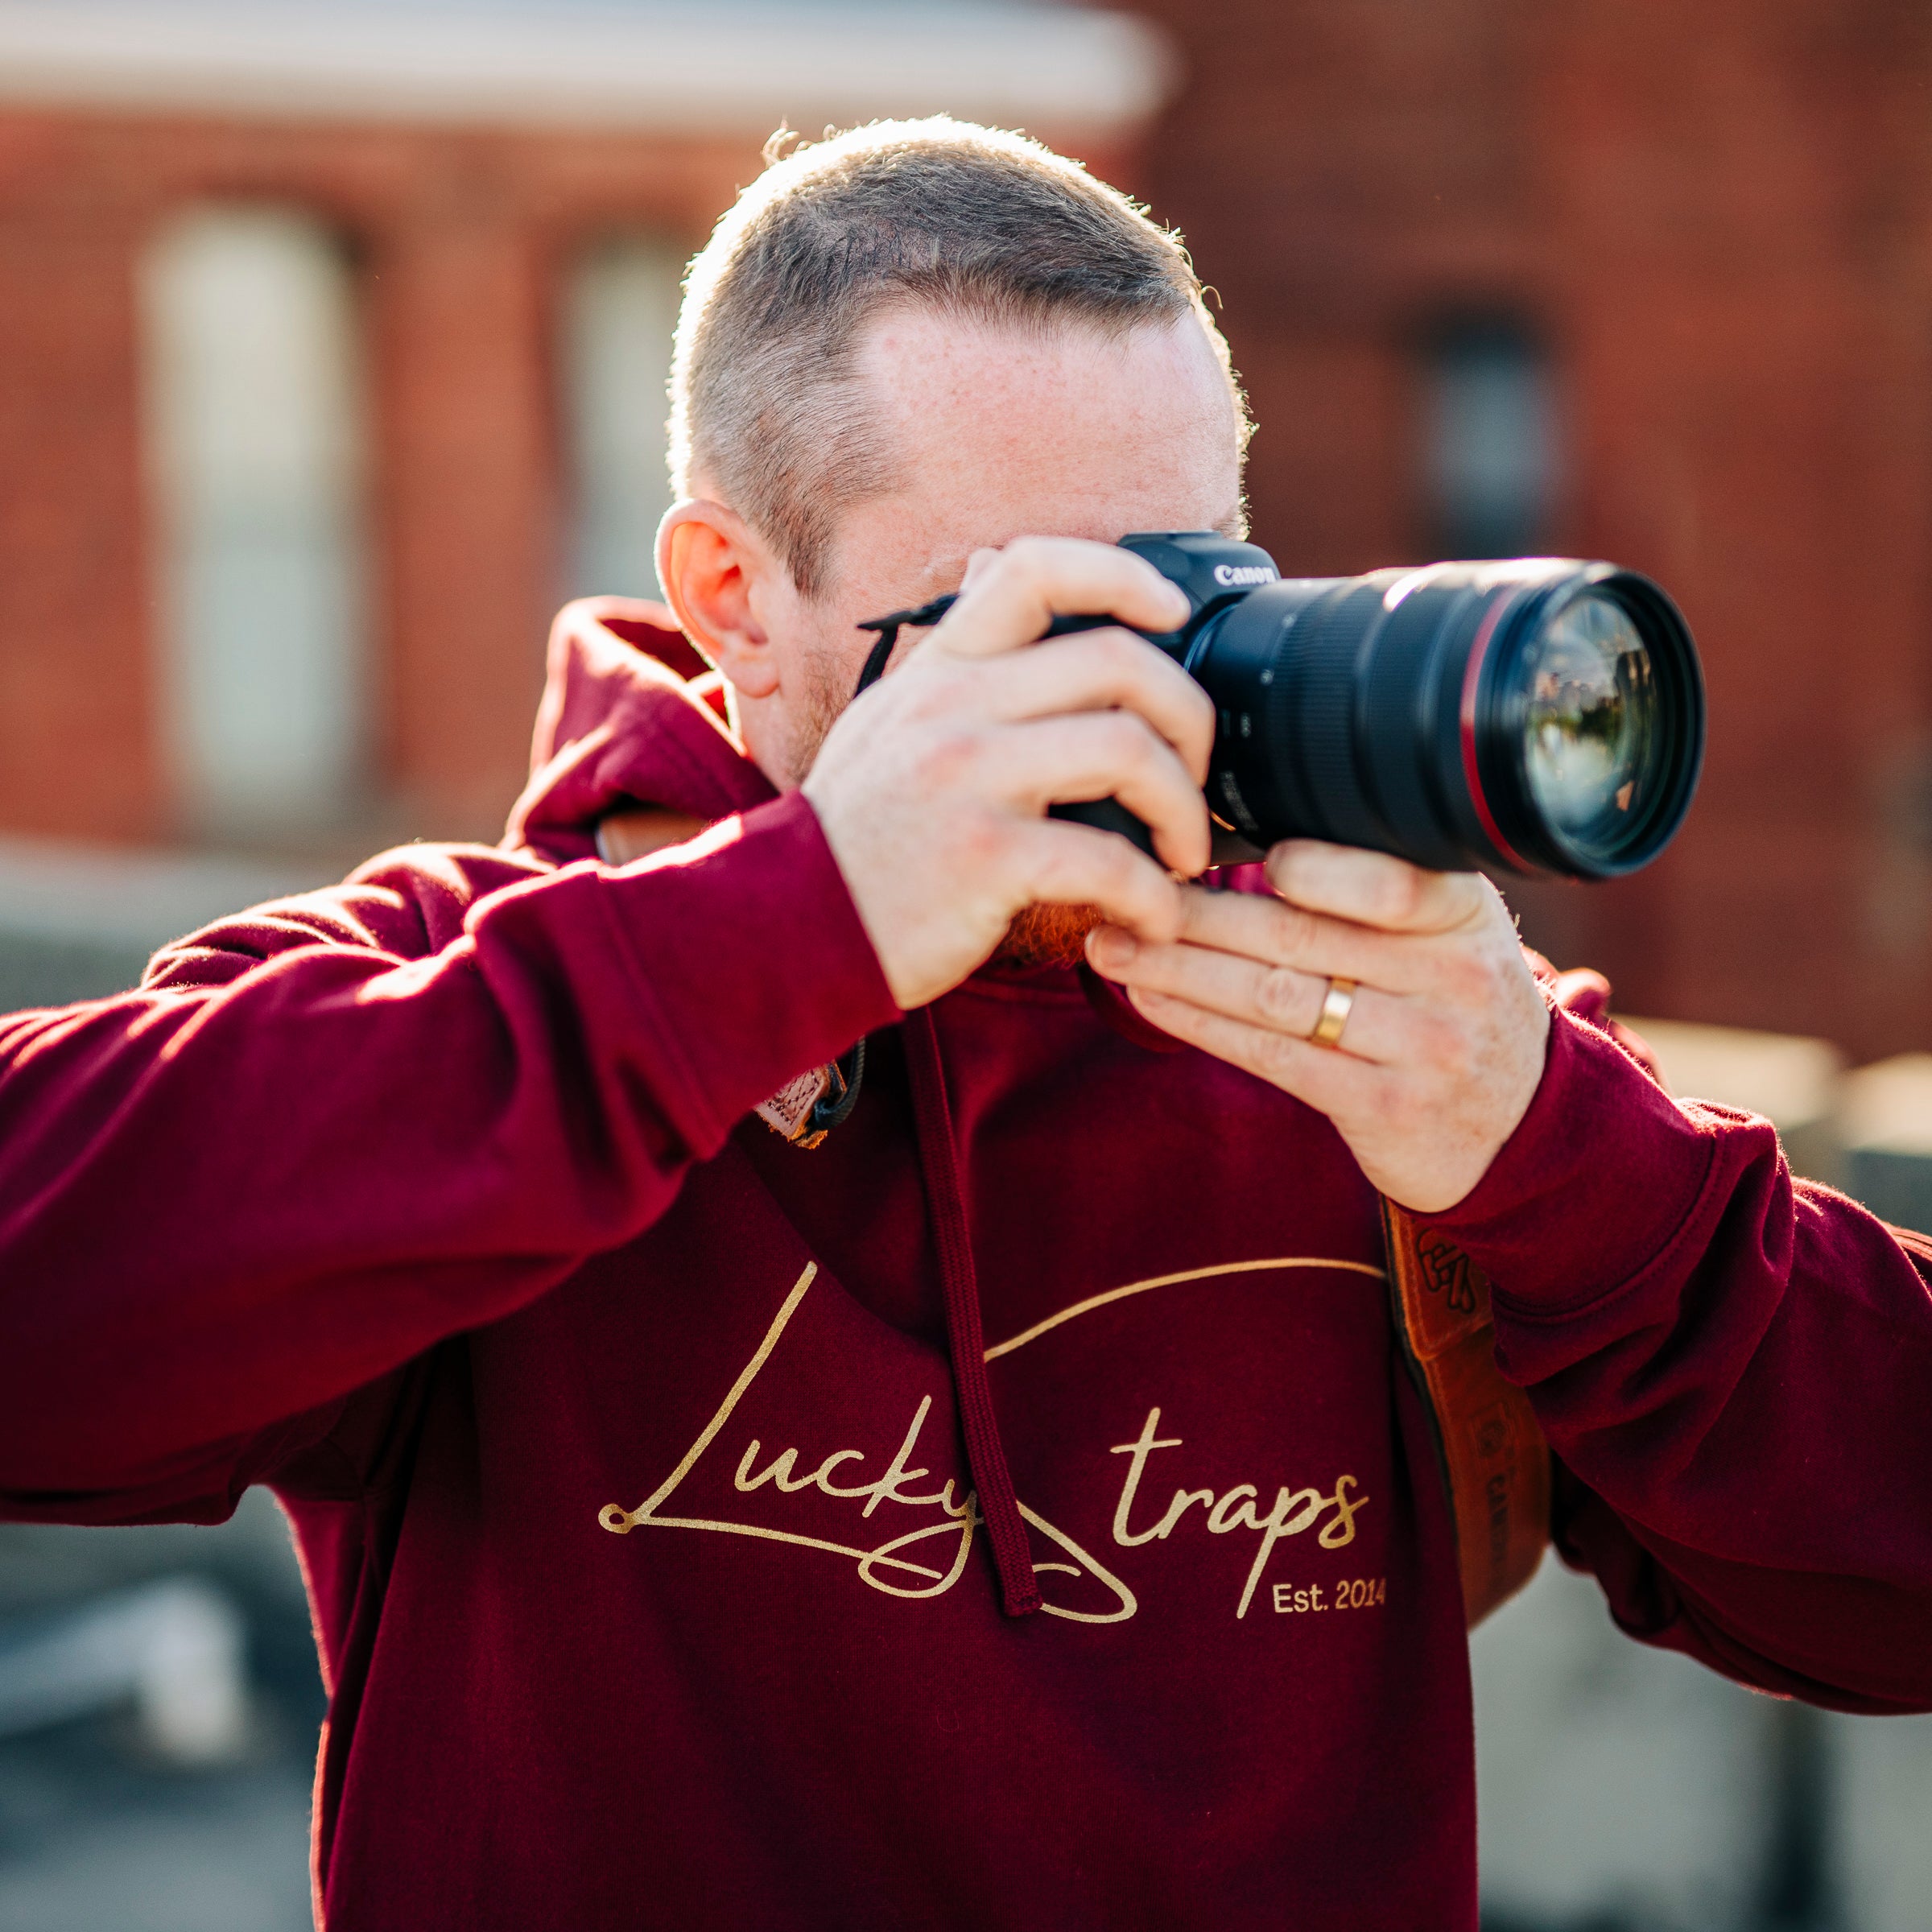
x,y
710,563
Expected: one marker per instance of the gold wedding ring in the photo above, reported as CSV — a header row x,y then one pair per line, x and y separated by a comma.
x,y
1338,1002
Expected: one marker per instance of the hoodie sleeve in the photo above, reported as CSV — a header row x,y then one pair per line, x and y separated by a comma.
x,y
322,1137
1735,1371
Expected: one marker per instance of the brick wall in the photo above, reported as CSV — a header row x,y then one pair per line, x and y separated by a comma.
x,y
459,238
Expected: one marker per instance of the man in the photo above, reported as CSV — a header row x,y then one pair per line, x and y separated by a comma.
x,y
639,1453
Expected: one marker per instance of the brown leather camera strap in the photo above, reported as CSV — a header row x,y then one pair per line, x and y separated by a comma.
x,y
1495,1463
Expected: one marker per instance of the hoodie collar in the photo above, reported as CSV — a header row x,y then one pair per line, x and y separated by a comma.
x,y
631,715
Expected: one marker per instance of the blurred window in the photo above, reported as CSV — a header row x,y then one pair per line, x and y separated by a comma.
x,y
621,309
255,433
1490,441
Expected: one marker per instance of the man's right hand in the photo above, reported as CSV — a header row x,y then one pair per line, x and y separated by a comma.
x,y
933,787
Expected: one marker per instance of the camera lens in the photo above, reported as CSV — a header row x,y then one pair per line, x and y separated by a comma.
x,y
1590,726
1535,715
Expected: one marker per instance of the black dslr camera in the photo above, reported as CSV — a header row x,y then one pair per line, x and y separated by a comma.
x,y
1539,715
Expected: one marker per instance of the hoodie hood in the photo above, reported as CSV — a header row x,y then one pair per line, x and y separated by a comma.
x,y
631,715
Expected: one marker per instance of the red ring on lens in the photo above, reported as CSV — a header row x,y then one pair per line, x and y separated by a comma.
x,y
1472,673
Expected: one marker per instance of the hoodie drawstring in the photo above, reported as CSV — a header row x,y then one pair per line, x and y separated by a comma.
x,y
965,1338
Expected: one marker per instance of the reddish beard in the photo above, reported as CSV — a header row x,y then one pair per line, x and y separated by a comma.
x,y
1048,936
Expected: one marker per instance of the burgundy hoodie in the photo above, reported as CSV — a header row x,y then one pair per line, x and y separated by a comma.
x,y
625,1451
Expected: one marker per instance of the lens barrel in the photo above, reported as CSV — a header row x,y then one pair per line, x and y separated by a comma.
x,y
1537,715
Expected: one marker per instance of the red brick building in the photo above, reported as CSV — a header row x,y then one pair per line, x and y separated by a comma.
x,y
1655,282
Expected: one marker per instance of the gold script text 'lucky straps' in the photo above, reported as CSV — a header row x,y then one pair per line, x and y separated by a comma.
x,y
960,1520
1293,1510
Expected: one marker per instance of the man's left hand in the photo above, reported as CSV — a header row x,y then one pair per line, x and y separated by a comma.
x,y
1443,1046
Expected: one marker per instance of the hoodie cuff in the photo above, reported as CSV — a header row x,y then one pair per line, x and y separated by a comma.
x,y
749,953
1599,1176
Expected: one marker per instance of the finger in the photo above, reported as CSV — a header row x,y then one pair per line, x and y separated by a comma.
x,y
1102,670
1011,601
1102,754
1375,889
1063,864
1280,997
976,566
1327,1081
1265,928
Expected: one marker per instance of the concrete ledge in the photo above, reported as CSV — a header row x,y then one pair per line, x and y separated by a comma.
x,y
1868,1131
80,922
1885,1121
1791,1080
733,66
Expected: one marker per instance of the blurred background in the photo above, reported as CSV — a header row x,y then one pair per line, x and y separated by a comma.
x,y
332,347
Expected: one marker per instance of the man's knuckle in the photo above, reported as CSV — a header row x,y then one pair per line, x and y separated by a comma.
x,y
1275,1055
1120,866
1479,976
951,757
1029,561
1131,746
1278,995
937,696
979,839
1294,936
1400,894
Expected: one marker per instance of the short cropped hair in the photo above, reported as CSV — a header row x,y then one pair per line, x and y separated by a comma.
x,y
767,411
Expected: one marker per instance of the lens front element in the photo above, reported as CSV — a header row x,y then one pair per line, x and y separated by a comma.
x,y
1591,739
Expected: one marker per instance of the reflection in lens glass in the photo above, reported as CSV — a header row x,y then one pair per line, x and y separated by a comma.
x,y
1591,721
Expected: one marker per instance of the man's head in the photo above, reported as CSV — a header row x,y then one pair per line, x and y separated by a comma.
x,y
904,344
